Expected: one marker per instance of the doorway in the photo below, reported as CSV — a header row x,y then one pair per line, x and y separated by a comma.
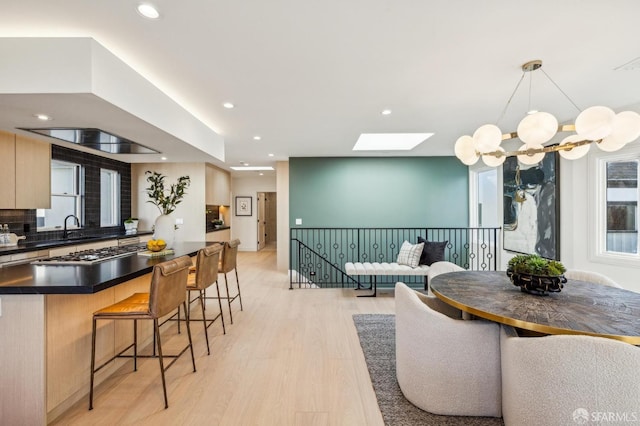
x,y
267,223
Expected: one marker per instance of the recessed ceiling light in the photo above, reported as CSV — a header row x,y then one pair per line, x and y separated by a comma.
x,y
257,138
386,112
252,168
43,117
390,141
228,105
148,11
261,174
270,155
163,158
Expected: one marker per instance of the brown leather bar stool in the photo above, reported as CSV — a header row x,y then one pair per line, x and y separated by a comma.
x,y
227,264
204,275
167,293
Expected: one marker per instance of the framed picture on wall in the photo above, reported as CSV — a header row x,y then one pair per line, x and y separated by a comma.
x,y
532,207
243,206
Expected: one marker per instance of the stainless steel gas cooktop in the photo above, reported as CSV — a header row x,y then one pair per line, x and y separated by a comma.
x,y
89,257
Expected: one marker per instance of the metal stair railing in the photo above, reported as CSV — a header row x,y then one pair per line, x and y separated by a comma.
x,y
317,255
307,271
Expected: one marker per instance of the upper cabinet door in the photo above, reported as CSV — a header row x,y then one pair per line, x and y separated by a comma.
x,y
33,174
218,187
8,170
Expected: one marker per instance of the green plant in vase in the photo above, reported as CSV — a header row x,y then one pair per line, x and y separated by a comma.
x,y
166,200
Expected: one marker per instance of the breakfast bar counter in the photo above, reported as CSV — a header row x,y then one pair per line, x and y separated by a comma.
x,y
40,278
45,328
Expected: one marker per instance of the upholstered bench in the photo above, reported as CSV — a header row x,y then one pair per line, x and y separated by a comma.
x,y
413,259
375,268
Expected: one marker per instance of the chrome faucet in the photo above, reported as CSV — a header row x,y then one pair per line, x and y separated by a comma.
x,y
65,234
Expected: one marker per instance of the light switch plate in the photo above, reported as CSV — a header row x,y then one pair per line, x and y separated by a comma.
x,y
179,221
298,221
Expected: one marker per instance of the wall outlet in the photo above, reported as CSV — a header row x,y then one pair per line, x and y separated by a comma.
x,y
298,221
179,221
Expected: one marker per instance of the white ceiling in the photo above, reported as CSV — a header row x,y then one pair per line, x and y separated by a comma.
x,y
309,77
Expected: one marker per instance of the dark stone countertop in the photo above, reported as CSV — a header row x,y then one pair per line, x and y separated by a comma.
x,y
84,279
24,247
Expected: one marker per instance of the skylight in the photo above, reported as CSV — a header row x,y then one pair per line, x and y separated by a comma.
x,y
390,141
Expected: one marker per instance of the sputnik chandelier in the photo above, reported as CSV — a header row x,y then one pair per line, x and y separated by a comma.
x,y
597,124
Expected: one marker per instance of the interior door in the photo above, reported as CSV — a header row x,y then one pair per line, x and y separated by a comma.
x,y
271,217
262,221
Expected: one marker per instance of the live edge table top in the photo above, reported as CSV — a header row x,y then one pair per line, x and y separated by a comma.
x,y
580,308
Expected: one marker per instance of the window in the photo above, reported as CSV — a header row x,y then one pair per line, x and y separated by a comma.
x,y
66,196
615,190
622,206
109,198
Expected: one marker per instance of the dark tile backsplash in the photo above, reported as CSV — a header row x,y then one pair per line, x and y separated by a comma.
x,y
23,222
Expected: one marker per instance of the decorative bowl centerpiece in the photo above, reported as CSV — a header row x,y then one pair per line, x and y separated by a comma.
x,y
535,274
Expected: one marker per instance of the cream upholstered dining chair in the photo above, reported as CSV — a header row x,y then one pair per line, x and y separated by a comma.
x,y
438,268
560,379
444,365
590,276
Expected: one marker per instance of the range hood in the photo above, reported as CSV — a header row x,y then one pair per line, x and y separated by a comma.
x,y
94,139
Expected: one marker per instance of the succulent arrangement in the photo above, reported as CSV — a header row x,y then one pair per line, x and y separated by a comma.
x,y
534,264
535,274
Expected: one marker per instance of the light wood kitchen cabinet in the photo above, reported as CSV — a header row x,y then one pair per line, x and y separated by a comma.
x,y
216,236
33,173
8,170
218,186
25,173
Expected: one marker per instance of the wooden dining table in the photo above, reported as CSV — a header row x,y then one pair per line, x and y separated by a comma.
x,y
580,308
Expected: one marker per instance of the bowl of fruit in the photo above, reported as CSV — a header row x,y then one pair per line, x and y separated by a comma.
x,y
156,245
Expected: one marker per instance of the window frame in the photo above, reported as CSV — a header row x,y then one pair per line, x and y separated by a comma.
x,y
78,196
116,180
597,214
474,196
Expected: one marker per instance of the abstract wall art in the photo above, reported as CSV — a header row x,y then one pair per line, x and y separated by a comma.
x,y
532,207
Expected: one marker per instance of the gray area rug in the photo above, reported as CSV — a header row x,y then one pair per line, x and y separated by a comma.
x,y
377,335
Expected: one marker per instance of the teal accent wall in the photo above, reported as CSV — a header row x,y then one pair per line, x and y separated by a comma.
x,y
379,192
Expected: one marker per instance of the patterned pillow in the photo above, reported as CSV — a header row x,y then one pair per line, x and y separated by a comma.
x,y
410,254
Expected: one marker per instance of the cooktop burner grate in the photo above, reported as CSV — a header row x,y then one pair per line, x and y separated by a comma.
x,y
88,257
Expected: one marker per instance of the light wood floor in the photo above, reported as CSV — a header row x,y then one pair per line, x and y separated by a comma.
x,y
292,357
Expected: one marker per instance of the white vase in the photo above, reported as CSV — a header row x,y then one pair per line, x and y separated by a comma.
x,y
164,229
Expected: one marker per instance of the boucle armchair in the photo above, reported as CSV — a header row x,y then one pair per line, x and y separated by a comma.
x,y
590,276
442,267
567,379
443,365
